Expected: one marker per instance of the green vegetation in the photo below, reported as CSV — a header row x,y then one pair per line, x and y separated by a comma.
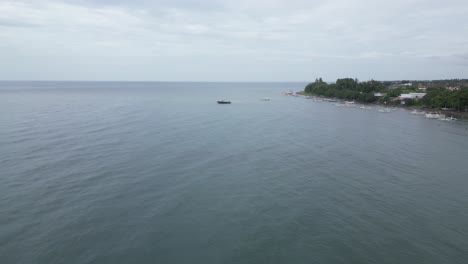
x,y
349,89
438,96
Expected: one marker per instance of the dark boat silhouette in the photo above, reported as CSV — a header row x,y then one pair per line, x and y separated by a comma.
x,y
224,102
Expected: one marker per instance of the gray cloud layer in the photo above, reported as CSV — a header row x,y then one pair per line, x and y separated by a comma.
x,y
276,40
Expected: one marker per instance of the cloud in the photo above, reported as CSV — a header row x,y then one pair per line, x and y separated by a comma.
x,y
153,36
5,22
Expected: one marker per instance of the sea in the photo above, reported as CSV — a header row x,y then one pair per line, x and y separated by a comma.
x,y
158,172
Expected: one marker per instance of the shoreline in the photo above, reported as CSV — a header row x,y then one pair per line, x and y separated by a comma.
x,y
455,114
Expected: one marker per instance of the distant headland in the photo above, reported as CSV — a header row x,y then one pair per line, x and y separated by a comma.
x,y
437,94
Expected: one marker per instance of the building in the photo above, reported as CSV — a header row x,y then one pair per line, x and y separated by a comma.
x,y
453,88
411,96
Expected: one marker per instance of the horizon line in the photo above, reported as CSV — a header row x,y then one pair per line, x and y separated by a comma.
x,y
172,81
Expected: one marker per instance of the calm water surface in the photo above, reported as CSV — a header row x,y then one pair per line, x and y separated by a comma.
x,y
102,172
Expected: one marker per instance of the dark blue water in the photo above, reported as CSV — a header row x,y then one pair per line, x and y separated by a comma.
x,y
159,173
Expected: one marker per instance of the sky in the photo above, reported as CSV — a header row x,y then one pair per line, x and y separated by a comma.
x,y
233,40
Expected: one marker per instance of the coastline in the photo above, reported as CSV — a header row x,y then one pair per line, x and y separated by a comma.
x,y
455,114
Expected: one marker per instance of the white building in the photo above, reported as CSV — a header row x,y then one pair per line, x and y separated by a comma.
x,y
412,96
379,94
422,88
453,88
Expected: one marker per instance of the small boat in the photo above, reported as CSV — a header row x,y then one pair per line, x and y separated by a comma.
x,y
385,110
416,112
365,107
224,102
435,116
265,99
451,118
349,104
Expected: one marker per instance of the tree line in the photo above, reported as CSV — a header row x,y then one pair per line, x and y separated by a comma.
x,y
441,97
347,88
352,89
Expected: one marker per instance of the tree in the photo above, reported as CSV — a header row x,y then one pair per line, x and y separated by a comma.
x,y
346,88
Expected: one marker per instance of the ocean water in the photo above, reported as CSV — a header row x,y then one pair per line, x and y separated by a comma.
x,y
134,172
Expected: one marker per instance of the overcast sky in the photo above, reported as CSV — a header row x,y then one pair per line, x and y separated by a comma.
x,y
233,40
